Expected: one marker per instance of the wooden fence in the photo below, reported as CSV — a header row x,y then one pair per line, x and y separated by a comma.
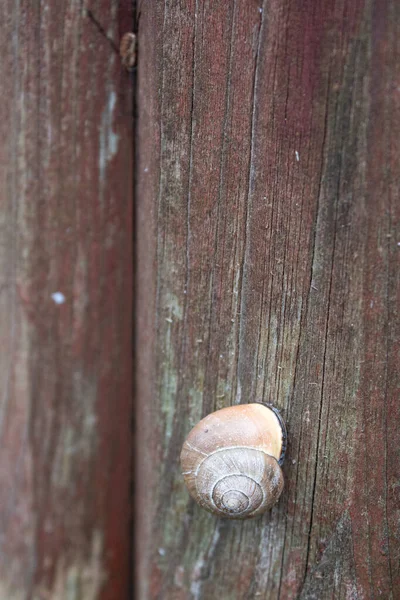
x,y
240,239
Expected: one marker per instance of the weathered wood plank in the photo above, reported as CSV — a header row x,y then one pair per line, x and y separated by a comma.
x,y
268,268
66,229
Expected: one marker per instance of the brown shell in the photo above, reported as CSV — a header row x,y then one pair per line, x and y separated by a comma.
x,y
230,460
127,50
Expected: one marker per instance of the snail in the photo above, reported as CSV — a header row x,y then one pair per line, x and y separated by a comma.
x,y
231,460
128,50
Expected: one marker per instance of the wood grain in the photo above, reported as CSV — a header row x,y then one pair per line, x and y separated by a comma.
x,y
268,269
66,229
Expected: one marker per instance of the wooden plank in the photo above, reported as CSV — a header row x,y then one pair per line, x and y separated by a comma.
x,y
65,303
268,255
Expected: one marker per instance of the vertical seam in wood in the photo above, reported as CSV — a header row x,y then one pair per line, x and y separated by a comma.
x,y
272,248
279,351
158,248
305,311
248,203
188,232
135,573
271,262
323,364
159,198
221,177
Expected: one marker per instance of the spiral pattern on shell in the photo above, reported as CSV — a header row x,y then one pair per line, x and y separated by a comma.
x,y
230,461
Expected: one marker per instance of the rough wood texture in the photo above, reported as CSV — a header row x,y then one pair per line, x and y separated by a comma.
x,y
268,258
66,206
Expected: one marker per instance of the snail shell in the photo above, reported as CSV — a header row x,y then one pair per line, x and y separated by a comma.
x,y
231,460
128,50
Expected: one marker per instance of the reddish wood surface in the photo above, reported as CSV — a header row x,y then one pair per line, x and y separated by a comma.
x,y
268,269
66,226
